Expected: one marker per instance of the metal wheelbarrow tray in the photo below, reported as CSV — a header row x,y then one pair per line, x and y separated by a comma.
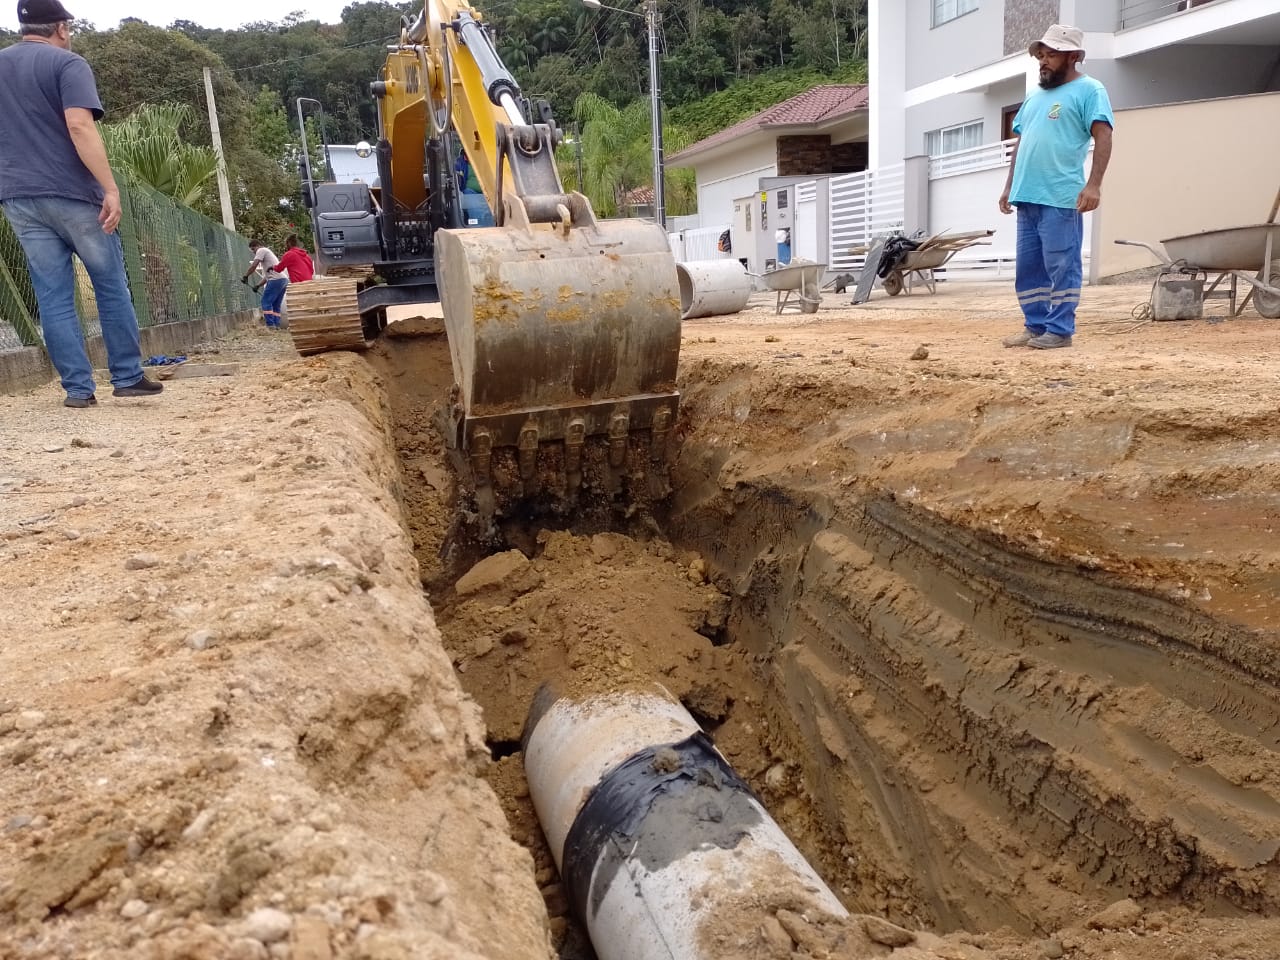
x,y
1233,248
798,282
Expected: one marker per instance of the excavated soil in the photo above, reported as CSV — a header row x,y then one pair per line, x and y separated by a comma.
x,y
992,633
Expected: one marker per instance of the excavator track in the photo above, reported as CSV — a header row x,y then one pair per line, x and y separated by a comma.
x,y
324,314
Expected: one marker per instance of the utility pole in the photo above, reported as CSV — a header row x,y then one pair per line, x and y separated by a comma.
x,y
224,190
577,154
651,22
655,96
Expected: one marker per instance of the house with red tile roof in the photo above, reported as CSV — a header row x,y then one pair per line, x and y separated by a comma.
x,y
820,132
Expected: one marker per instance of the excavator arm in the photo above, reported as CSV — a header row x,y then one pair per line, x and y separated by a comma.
x,y
564,331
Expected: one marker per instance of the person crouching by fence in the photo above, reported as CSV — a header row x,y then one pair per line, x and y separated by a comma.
x,y
276,282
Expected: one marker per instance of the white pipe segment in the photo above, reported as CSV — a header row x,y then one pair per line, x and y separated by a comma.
x,y
656,836
712,288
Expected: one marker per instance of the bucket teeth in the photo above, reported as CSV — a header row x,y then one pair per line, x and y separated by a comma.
x,y
527,453
619,427
482,457
575,436
658,437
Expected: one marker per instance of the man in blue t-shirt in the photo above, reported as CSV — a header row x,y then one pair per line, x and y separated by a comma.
x,y
57,191
1047,185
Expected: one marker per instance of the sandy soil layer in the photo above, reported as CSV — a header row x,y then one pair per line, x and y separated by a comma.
x,y
1016,608
975,704
227,727
991,632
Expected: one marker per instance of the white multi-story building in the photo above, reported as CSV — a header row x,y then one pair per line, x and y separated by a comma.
x,y
1195,85
946,75
1196,89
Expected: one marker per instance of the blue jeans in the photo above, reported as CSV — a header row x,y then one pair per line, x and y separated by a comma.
x,y
273,300
1049,272
50,229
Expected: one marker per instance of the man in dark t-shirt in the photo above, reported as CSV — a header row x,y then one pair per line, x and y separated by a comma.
x,y
58,193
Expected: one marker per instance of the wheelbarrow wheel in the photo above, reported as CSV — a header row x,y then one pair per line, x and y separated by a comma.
x,y
1266,300
892,284
1267,303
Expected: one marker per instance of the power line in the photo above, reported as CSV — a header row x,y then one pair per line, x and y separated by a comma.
x,y
587,28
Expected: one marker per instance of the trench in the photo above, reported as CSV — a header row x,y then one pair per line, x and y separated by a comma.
x,y
957,734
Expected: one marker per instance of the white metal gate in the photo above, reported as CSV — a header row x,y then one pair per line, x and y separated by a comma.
x,y
864,207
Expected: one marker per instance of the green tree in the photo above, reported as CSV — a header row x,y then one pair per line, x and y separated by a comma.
x,y
150,143
783,15
695,70
139,64
557,80
617,155
613,149
270,130
748,42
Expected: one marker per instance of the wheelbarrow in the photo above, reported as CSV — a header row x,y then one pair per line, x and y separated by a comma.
x,y
1236,253
798,283
932,254
919,264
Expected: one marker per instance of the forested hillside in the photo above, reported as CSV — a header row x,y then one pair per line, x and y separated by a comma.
x,y
722,60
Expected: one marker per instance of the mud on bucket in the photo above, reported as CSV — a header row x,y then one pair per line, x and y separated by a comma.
x,y
712,288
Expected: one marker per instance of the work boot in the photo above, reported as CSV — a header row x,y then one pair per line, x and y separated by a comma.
x,y
1049,341
142,388
80,402
1019,339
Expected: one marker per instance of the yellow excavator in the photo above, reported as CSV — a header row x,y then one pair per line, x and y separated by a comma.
x,y
564,330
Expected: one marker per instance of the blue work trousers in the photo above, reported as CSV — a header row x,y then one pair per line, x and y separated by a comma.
x,y
273,300
50,229
1049,271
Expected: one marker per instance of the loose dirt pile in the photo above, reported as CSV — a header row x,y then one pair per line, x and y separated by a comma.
x,y
227,727
991,632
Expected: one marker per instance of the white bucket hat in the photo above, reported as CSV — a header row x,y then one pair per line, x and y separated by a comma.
x,y
1060,37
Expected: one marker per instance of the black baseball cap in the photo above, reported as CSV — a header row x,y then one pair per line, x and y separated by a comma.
x,y
42,11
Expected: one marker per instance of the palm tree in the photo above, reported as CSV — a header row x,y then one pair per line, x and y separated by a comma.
x,y
149,144
617,155
615,150
550,36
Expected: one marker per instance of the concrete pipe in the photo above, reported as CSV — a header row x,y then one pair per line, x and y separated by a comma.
x,y
656,837
712,288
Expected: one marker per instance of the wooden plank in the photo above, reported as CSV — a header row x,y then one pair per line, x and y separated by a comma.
x,y
185,371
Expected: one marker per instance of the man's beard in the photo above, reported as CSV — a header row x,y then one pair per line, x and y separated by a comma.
x,y
1054,78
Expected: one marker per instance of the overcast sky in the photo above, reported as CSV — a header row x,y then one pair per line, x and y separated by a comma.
x,y
226,14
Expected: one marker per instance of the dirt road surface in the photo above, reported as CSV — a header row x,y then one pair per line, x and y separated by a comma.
x,y
992,632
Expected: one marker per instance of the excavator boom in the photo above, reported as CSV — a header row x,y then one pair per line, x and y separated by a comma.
x,y
564,330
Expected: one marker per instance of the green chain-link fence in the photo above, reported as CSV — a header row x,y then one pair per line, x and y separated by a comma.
x,y
181,266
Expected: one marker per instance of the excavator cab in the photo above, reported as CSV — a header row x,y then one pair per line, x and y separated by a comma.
x,y
563,330
345,222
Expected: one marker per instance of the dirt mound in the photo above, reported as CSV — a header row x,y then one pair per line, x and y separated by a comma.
x,y
226,722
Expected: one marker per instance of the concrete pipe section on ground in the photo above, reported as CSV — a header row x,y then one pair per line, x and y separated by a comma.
x,y
712,288
656,837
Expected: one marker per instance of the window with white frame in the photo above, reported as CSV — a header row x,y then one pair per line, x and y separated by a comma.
x,y
962,136
945,10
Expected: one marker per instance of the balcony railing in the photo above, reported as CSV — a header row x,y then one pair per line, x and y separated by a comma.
x,y
1137,13
986,157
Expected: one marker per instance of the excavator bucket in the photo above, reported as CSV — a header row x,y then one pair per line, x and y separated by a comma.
x,y
564,344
